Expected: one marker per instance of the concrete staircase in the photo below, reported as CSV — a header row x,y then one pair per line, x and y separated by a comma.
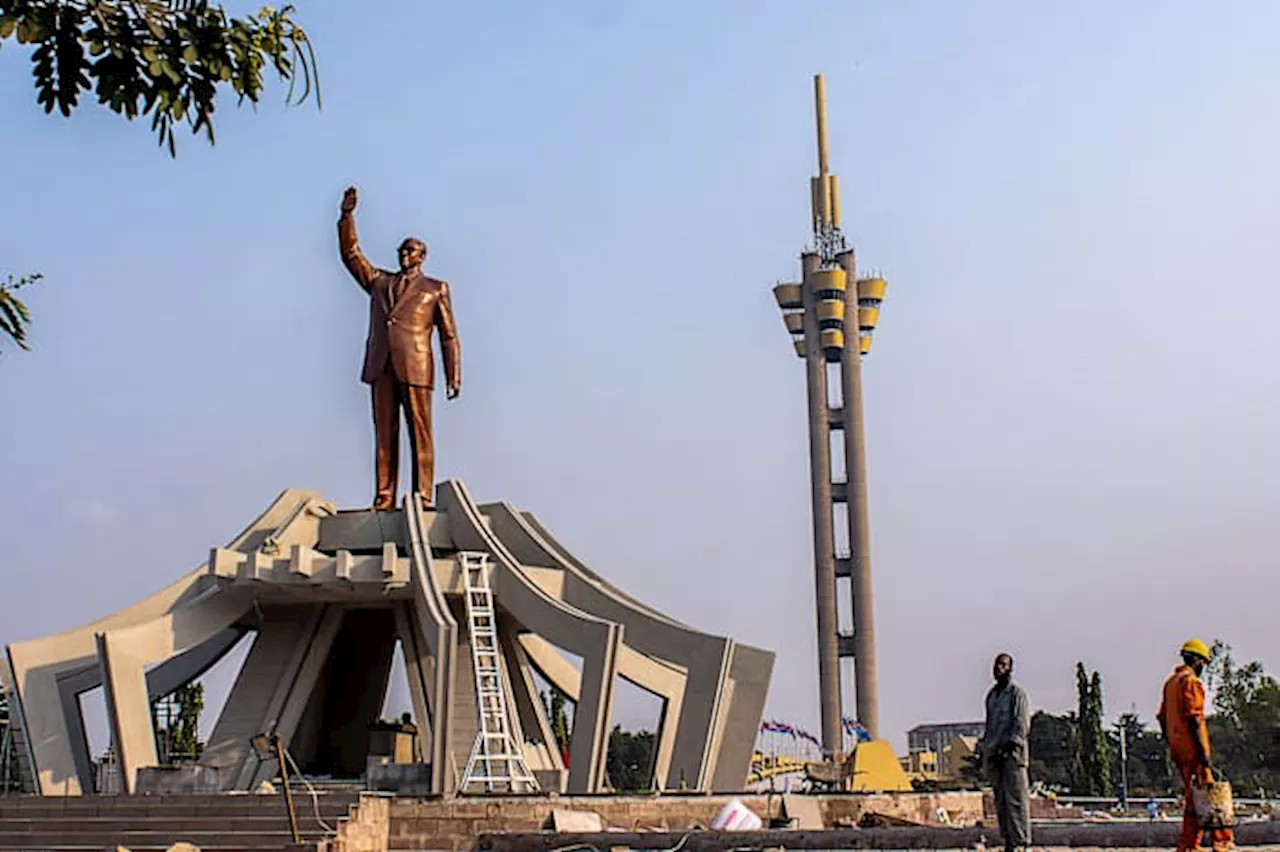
x,y
236,822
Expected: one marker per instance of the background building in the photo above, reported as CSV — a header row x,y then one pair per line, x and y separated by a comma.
x,y
936,736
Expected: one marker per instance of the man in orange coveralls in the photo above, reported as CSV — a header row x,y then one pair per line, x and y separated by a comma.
x,y
1181,719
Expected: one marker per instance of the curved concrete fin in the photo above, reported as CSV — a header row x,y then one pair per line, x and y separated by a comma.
x,y
161,681
750,673
654,676
436,664
539,743
596,640
704,656
37,663
546,542
125,654
547,661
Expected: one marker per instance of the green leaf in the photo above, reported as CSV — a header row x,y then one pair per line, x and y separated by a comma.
x,y
153,57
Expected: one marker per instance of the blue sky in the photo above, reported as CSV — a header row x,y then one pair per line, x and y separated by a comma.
x,y
1071,402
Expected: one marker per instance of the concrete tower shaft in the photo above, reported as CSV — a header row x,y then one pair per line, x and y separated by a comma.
x,y
823,521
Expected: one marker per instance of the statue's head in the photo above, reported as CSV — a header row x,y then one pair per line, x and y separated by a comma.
x,y
412,252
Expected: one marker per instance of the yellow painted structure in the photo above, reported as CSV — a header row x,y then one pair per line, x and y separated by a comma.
x,y
794,322
833,202
864,343
867,318
920,766
833,338
788,296
767,766
820,201
832,280
872,289
831,311
876,769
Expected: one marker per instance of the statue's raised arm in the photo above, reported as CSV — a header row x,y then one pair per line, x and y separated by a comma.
x,y
349,246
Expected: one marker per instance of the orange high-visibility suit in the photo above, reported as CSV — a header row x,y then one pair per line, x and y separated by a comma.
x,y
1181,719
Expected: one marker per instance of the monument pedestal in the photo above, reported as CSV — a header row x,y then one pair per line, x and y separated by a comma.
x,y
328,595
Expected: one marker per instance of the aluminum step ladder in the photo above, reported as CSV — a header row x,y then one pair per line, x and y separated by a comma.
x,y
15,772
497,762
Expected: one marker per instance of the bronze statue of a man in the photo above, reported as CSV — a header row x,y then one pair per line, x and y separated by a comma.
x,y
404,307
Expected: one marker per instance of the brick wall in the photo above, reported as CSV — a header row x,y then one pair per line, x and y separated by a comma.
x,y
365,830
453,824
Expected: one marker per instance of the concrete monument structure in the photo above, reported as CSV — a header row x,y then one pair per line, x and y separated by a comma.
x,y
478,599
327,595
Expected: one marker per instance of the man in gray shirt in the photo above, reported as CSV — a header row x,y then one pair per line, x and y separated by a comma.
x,y
1005,754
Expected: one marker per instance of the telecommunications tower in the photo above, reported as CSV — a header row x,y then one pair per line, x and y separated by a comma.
x,y
831,315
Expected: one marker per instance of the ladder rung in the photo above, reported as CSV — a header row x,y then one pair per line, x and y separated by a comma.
x,y
499,778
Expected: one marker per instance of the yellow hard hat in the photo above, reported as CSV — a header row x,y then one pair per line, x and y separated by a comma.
x,y
1197,647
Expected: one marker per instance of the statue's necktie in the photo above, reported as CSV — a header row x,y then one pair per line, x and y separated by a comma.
x,y
397,289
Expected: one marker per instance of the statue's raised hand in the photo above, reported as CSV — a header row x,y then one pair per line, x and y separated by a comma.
x,y
349,199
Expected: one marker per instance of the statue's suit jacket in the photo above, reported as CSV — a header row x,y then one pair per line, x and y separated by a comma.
x,y
400,333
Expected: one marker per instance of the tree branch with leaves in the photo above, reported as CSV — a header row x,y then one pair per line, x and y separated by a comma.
x,y
1091,757
14,316
166,60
